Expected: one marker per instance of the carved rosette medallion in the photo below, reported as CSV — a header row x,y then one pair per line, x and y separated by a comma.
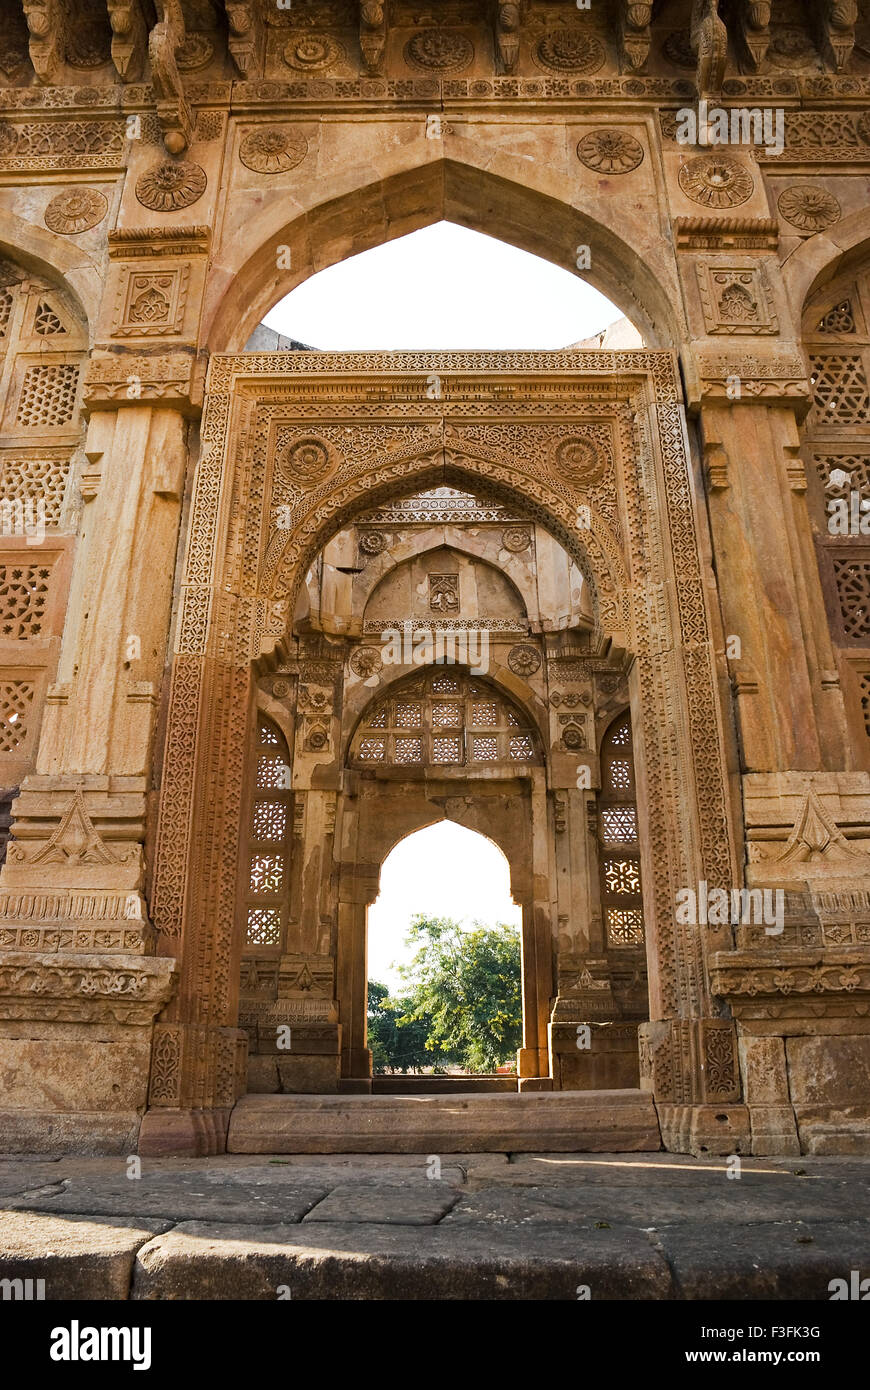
x,y
273,151
791,49
569,50
516,538
372,542
809,208
610,151
196,52
366,662
12,58
717,182
306,461
677,48
88,45
313,53
75,211
524,661
439,50
170,185
578,461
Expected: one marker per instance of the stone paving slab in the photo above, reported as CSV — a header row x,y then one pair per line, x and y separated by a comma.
x,y
665,1170
369,1261
77,1256
177,1196
516,1226
420,1204
765,1261
728,1202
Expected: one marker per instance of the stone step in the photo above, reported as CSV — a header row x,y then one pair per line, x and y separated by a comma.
x,y
531,1122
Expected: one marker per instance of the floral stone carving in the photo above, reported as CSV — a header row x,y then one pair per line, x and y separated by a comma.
x,y
439,50
196,52
313,53
366,662
75,211
171,184
808,208
610,151
578,460
716,182
524,661
569,50
516,538
273,151
306,461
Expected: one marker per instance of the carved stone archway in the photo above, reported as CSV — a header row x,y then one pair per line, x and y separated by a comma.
x,y
594,445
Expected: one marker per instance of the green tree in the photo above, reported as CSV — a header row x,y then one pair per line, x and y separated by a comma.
x,y
397,1040
466,986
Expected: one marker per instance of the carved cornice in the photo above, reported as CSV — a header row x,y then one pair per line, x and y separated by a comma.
x,y
174,378
726,233
743,977
85,988
737,376
126,242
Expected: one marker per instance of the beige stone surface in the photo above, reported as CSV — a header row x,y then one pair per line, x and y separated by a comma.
x,y
79,1257
372,1124
640,525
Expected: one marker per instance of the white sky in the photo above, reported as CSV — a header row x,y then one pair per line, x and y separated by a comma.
x,y
444,287
444,871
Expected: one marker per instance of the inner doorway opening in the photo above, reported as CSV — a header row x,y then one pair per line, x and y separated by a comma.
x,y
444,966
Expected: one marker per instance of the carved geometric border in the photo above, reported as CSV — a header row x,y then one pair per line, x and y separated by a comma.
x,y
206,749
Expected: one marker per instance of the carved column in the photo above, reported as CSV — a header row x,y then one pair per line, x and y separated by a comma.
x,y
799,961
87,984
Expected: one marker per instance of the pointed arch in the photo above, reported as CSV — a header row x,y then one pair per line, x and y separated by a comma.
x,y
67,266
523,204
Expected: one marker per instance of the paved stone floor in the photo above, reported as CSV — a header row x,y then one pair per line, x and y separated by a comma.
x,y
490,1226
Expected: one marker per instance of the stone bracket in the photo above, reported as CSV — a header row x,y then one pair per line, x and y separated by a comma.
x,y
129,38
247,36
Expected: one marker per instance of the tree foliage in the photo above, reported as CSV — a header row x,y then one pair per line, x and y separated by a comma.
x,y
398,1043
462,1003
